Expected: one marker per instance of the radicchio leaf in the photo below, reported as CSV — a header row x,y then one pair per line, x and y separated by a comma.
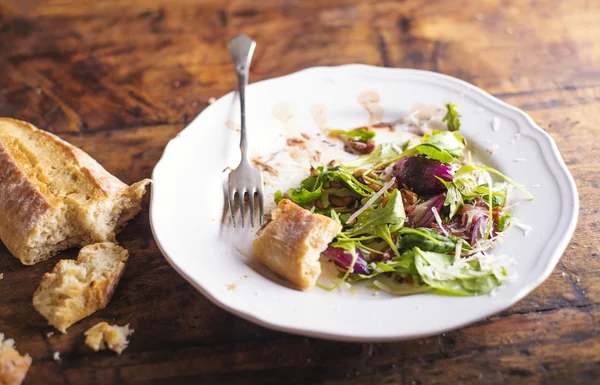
x,y
344,258
422,215
421,174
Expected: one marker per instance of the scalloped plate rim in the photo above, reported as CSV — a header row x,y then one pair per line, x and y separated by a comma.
x,y
526,287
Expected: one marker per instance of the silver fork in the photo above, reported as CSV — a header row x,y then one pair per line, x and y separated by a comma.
x,y
245,179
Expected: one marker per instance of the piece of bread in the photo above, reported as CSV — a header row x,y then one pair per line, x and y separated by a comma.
x,y
113,337
54,196
13,366
292,242
76,289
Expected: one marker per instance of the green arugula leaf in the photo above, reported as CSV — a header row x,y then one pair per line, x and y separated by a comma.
x,y
451,142
434,153
360,134
302,196
383,232
343,176
454,200
405,264
278,197
392,214
428,240
452,117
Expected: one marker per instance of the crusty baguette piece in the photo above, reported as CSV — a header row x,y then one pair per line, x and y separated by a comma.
x,y
13,366
54,196
292,242
113,337
76,289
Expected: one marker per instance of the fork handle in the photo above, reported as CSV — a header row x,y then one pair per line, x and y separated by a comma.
x,y
241,49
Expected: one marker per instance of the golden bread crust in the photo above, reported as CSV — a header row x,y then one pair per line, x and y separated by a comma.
x,y
291,243
76,289
13,366
54,196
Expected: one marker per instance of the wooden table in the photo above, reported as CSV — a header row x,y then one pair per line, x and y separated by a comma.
x,y
120,78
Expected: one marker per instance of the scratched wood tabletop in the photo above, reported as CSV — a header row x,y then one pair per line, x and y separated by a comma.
x,y
121,78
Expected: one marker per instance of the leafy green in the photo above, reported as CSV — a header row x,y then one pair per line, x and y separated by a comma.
x,y
302,196
434,153
312,188
451,142
360,134
499,191
494,171
452,117
443,146
427,239
392,214
384,232
385,152
438,271
503,222
466,182
382,221
278,197
405,264
454,199
342,175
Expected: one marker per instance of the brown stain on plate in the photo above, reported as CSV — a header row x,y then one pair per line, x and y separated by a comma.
x,y
257,162
233,125
283,112
319,115
370,101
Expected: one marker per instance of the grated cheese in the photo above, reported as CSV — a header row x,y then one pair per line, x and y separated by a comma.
x,y
520,225
439,220
495,124
371,200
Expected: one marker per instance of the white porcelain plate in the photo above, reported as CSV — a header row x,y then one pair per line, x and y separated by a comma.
x,y
195,235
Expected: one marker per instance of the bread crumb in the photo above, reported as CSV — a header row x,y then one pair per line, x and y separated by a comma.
x,y
13,366
211,100
103,336
49,334
56,356
76,289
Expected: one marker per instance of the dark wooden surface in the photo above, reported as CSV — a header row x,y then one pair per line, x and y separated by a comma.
x,y
120,78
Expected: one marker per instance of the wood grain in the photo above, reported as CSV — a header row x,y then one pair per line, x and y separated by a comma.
x,y
121,78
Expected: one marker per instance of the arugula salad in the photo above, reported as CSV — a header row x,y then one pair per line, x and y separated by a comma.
x,y
417,216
